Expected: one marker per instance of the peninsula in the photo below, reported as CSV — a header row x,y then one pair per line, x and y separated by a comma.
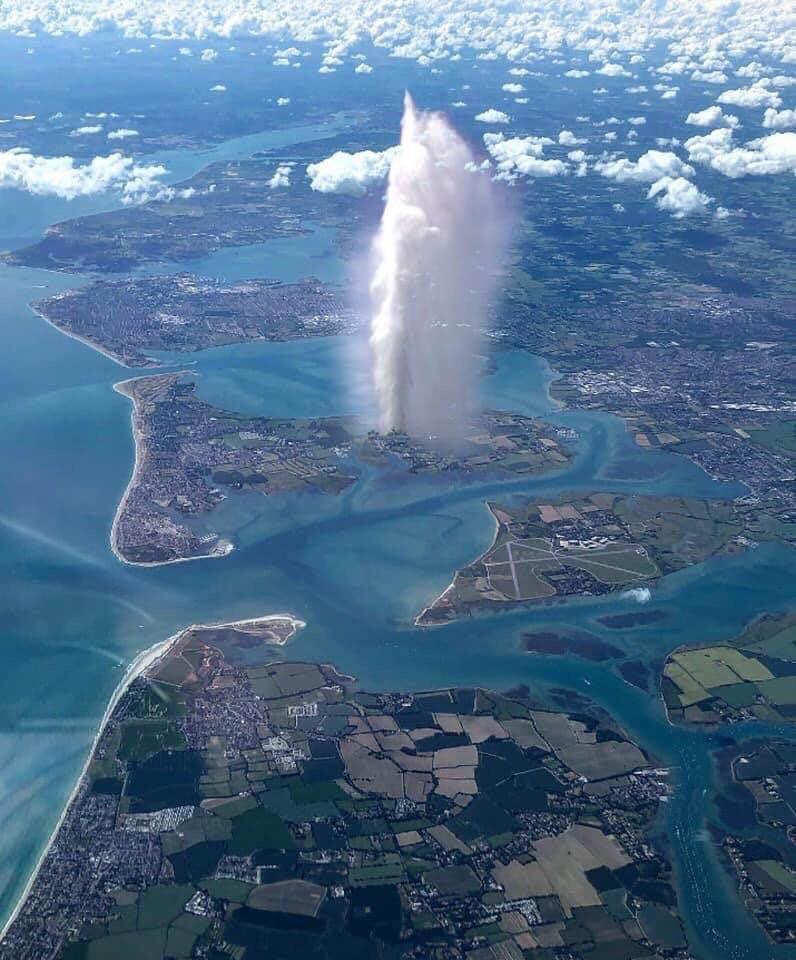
x,y
237,804
130,319
190,456
588,544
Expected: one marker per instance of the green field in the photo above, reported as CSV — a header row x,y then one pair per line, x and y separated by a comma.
x,y
259,829
517,568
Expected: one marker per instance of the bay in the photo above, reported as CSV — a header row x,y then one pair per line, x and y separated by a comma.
x,y
356,568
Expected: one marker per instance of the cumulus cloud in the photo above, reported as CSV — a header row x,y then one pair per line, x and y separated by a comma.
x,y
522,156
773,154
614,70
711,117
123,133
512,87
218,88
208,55
492,116
678,196
649,168
87,131
281,177
363,68
351,173
712,76
568,139
282,101
779,119
757,95
62,177
577,74
699,35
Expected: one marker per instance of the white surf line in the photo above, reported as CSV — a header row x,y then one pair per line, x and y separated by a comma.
x,y
141,663
81,339
136,667
417,620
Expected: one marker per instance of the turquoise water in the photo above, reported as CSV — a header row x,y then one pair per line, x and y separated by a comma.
x,y
289,258
356,568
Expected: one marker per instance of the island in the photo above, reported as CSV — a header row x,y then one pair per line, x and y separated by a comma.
x,y
752,677
584,545
129,319
229,203
191,455
240,804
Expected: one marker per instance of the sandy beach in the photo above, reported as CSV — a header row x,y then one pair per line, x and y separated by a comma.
x,y
142,662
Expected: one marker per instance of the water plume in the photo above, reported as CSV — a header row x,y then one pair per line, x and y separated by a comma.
x,y
436,256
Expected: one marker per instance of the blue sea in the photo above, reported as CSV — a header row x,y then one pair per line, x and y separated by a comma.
x,y
356,568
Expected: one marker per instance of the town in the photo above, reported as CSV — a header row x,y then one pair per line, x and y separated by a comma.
x,y
236,803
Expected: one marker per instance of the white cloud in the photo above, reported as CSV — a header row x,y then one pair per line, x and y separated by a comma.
x,y
218,88
577,74
755,96
678,196
639,594
568,139
517,156
208,55
773,154
363,68
492,116
701,36
350,173
614,70
650,166
711,117
751,70
519,72
123,133
513,87
672,67
282,101
637,121
86,131
281,177
62,177
713,76
779,119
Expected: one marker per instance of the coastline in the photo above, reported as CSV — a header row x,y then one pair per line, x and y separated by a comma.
x,y
427,626
140,663
223,547
137,666
84,340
